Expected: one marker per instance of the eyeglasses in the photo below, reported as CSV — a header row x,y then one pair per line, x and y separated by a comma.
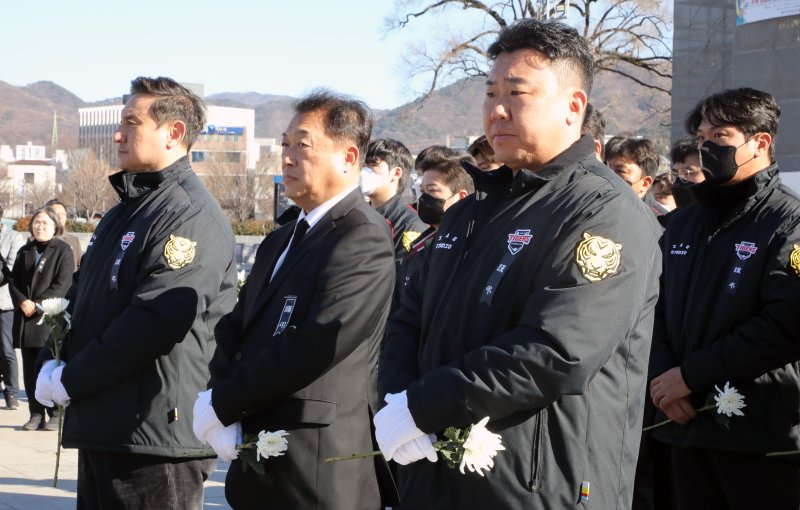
x,y
45,223
685,175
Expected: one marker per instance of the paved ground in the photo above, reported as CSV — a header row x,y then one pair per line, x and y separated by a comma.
x,y
27,463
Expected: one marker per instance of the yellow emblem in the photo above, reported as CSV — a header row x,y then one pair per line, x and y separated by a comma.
x,y
179,251
794,259
408,238
597,257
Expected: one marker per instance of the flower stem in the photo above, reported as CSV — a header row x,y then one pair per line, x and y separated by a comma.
x,y
655,426
354,456
58,446
783,454
662,423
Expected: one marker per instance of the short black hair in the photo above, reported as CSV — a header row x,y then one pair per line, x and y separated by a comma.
x,y
434,152
563,46
394,154
641,151
51,213
481,147
749,110
344,118
173,102
595,125
682,148
451,168
55,201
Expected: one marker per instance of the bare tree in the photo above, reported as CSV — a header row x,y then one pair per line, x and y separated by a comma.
x,y
7,195
36,195
242,193
628,37
86,187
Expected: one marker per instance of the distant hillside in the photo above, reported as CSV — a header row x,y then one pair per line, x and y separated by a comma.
x,y
26,113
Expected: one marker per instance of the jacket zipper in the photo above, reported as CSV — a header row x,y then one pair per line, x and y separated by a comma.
x,y
535,484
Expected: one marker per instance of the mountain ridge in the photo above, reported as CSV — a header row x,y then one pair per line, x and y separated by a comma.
x,y
26,113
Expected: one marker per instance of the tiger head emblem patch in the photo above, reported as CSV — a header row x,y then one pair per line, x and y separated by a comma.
x,y
179,251
794,259
597,257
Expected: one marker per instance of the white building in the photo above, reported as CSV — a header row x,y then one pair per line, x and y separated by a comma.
x,y
97,126
6,154
30,152
32,183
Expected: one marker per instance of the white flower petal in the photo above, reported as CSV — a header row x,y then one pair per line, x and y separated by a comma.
x,y
271,444
729,401
480,448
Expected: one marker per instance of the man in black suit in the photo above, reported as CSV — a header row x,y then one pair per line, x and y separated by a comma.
x,y
299,351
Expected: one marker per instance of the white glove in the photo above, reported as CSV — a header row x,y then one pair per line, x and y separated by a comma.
x,y
224,440
415,450
60,396
394,425
44,390
205,418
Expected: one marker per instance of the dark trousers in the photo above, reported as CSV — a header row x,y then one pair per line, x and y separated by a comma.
x,y
30,371
128,481
707,479
8,357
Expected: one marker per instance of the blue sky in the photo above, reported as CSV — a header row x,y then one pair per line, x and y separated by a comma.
x,y
94,48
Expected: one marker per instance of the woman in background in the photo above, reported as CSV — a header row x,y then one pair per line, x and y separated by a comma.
x,y
43,270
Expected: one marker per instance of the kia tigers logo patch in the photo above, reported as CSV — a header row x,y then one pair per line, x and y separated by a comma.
x,y
518,240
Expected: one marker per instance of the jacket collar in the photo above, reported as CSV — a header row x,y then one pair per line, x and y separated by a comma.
x,y
389,205
725,204
745,192
504,180
135,184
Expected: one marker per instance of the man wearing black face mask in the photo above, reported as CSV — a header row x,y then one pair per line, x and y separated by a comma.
x,y
444,182
728,313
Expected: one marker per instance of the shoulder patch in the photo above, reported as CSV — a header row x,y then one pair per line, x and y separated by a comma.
x,y
597,257
794,260
179,251
409,237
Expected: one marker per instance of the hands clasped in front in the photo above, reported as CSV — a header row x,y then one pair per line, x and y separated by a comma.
x,y
398,436
670,394
49,389
210,430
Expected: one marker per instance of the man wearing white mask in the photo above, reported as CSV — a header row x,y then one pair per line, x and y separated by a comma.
x,y
388,163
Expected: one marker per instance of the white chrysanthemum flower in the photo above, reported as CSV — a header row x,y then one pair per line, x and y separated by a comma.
x,y
729,401
241,275
271,444
480,448
53,307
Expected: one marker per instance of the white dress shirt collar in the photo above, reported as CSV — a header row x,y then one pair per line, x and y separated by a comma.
x,y
316,214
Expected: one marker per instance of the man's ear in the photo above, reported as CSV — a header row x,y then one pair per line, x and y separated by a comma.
x,y
176,134
351,155
577,106
395,173
462,194
763,143
647,183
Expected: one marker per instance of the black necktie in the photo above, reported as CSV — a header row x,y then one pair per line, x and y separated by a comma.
x,y
300,230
